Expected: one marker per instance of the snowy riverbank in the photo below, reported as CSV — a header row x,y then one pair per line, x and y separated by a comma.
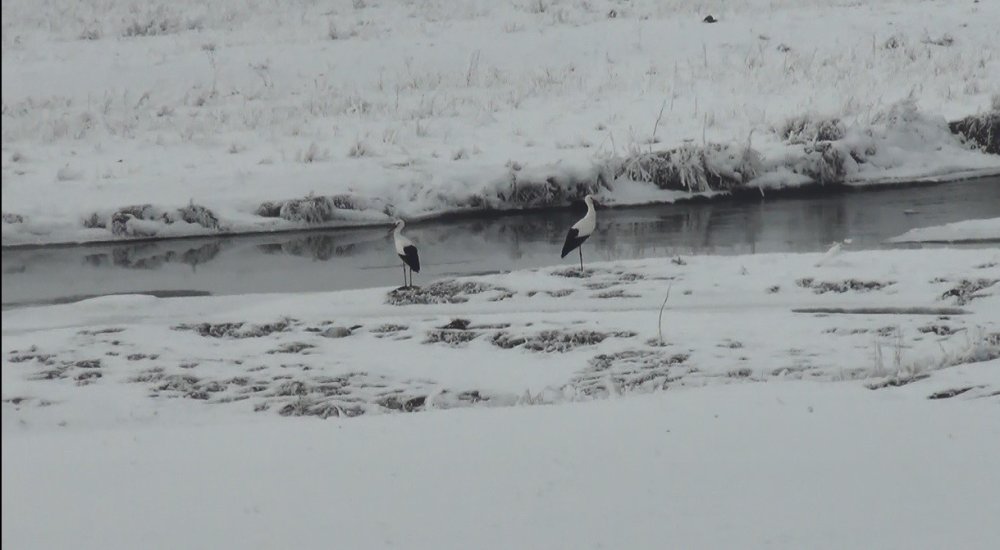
x,y
539,336
773,413
126,120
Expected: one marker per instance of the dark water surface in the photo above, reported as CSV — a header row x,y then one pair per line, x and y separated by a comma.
x,y
359,258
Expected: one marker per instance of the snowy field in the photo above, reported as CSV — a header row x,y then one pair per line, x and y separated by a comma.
x,y
845,399
833,400
780,465
125,119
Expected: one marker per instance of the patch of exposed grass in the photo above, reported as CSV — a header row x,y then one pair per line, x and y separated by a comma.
x,y
574,273
981,131
291,347
237,329
321,209
853,285
548,341
452,337
627,371
948,394
120,221
897,381
713,167
967,290
449,291
616,293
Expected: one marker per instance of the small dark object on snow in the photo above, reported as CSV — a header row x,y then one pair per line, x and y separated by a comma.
x,y
457,324
709,19
948,394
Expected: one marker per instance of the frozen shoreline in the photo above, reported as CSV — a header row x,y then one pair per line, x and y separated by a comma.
x,y
16,238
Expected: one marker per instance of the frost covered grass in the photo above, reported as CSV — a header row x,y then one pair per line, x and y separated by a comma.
x,y
493,105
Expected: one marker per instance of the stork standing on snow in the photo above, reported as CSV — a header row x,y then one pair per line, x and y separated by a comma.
x,y
581,230
406,251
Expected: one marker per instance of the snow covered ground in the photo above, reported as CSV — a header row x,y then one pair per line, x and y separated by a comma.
x,y
963,231
828,400
777,465
127,118
539,336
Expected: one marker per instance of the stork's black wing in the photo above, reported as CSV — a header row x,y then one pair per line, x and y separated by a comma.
x,y
573,240
410,258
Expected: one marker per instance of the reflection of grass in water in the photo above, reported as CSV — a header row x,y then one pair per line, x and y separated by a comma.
x,y
149,256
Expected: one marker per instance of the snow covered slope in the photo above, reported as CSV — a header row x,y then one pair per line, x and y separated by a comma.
x,y
126,119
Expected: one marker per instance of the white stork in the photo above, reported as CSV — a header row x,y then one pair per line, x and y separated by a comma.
x,y
406,251
581,230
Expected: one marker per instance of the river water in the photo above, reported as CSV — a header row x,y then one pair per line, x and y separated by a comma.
x,y
359,258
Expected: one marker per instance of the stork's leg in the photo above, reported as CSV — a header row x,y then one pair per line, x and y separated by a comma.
x,y
411,277
404,275
581,258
